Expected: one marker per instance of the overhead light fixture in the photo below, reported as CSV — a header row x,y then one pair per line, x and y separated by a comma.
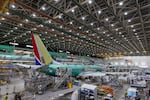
x,y
72,10
129,20
33,15
125,13
137,52
134,30
71,22
98,28
120,33
92,24
20,24
56,0
45,32
112,25
60,51
90,1
12,6
60,26
132,26
7,13
29,46
131,52
11,30
106,19
13,43
53,30
3,18
60,16
33,28
104,32
16,28
67,52
26,20
43,8
116,29
93,34
28,32
83,18
87,31
99,12
108,35
80,27
120,3
5,36
41,25
49,21
135,33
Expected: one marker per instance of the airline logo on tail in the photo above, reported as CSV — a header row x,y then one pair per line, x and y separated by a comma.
x,y
41,53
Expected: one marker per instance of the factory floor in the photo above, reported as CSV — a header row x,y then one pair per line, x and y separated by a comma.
x,y
120,92
18,85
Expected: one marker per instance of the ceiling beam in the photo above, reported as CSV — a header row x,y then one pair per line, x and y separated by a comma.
x,y
142,24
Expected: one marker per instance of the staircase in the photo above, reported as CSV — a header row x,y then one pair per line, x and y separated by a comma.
x,y
62,79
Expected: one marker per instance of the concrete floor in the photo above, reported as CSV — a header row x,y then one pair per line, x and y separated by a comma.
x,y
18,85
119,92
49,95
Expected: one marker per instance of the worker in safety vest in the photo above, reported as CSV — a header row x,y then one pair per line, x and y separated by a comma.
x,y
6,96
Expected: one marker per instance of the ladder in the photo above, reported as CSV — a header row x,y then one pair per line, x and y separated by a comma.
x,y
62,79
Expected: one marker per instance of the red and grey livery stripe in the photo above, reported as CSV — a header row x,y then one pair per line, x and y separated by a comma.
x,y
36,53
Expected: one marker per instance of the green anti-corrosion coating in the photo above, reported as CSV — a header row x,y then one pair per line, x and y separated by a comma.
x,y
76,69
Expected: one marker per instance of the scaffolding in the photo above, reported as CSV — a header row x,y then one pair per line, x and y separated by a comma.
x,y
63,77
38,84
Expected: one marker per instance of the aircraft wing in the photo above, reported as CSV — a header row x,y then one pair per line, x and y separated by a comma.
x,y
29,66
94,74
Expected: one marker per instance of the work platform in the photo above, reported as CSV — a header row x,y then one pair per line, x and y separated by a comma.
x,y
49,95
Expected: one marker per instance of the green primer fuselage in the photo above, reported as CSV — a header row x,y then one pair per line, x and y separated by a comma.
x,y
76,69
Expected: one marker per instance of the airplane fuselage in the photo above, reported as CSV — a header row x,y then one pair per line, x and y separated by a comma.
x,y
75,69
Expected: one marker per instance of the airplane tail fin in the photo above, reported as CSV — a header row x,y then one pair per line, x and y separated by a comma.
x,y
41,53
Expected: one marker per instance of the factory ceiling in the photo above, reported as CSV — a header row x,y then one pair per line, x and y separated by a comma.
x,y
86,27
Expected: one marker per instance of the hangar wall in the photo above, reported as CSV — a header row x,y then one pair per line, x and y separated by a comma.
x,y
141,61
